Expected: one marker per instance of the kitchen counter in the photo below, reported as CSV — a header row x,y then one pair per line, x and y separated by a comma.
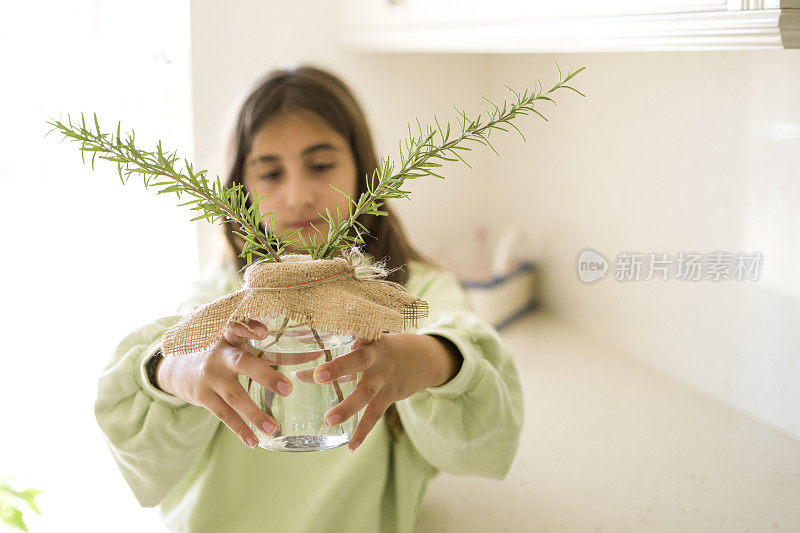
x,y
609,444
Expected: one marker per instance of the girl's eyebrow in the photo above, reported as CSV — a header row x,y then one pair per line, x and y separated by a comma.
x,y
309,150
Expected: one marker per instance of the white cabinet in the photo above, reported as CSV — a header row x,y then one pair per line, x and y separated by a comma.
x,y
568,25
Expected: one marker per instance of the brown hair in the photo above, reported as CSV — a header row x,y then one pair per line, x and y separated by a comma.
x,y
308,88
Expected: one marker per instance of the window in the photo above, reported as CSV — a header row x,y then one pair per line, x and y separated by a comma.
x,y
85,258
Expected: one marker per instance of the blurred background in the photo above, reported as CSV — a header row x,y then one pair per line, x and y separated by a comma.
x,y
651,404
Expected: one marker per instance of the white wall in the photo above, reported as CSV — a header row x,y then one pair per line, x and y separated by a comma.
x,y
233,47
670,152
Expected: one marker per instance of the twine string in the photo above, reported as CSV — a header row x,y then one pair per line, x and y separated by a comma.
x,y
318,281
355,267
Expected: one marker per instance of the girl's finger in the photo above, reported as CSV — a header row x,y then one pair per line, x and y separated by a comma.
x,y
359,342
307,376
258,370
237,398
372,414
228,416
358,360
365,391
252,325
237,333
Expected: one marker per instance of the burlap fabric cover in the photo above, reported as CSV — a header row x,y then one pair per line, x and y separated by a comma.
x,y
339,296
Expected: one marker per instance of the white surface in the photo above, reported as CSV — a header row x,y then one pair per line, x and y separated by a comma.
x,y
610,445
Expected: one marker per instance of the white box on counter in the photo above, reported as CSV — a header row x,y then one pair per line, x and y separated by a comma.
x,y
502,299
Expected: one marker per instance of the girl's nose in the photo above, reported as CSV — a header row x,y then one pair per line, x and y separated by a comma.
x,y
299,195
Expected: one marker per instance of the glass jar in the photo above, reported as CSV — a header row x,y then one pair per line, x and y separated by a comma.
x,y
296,352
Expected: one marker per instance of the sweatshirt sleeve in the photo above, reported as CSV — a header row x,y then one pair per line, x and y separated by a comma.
x,y
471,424
154,437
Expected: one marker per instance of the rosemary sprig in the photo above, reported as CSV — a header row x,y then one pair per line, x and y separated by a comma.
x,y
419,157
10,499
215,201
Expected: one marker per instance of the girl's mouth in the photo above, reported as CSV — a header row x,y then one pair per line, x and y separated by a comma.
x,y
306,224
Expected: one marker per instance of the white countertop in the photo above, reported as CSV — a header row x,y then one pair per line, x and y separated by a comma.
x,y
611,445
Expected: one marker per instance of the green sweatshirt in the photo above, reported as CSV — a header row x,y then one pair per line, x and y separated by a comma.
x,y
203,478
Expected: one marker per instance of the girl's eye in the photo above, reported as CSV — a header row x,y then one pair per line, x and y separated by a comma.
x,y
317,168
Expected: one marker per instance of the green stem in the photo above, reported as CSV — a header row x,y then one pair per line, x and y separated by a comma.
x,y
328,359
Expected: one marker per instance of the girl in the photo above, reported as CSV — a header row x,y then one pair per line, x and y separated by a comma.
x,y
444,398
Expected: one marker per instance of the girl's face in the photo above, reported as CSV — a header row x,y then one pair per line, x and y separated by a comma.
x,y
295,158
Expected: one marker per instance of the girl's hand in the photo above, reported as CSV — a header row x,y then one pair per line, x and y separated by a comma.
x,y
393,367
210,379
